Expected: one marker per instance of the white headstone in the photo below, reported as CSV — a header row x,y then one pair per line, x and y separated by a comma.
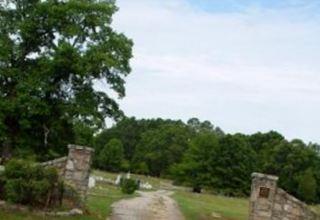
x,y
146,186
117,182
92,182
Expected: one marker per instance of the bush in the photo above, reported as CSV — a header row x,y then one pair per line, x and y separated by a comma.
x,y
111,156
71,196
30,184
128,186
307,187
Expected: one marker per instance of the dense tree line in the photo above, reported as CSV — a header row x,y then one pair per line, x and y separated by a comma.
x,y
202,156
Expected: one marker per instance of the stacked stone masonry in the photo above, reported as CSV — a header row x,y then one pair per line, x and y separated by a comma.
x,y
269,202
78,168
75,169
59,164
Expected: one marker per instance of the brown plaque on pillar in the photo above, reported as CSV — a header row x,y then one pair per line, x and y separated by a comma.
x,y
264,192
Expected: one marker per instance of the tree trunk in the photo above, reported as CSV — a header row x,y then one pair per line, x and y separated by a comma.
x,y
12,127
6,153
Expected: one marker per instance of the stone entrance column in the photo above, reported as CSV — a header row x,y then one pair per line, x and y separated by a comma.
x,y
77,170
263,190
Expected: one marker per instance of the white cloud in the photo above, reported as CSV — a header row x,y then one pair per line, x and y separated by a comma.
x,y
247,71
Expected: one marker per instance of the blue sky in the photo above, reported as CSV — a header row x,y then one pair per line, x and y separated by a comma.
x,y
247,66
240,5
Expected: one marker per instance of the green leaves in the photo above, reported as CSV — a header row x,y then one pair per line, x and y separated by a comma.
x,y
52,54
199,155
307,187
111,156
162,147
28,183
222,164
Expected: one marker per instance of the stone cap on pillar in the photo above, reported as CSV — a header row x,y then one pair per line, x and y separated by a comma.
x,y
264,176
78,147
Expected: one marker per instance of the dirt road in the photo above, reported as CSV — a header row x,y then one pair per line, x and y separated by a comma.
x,y
149,206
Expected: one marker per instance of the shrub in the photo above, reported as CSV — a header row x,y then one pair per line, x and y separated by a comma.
x,y
111,156
128,186
30,184
307,187
71,196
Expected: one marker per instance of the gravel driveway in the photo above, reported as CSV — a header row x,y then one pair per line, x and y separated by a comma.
x,y
156,205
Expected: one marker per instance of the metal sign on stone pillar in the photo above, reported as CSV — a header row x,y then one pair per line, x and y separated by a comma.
x,y
263,191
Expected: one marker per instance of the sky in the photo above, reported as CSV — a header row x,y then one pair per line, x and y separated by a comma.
x,y
245,65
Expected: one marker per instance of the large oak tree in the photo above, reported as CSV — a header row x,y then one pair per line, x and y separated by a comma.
x,y
52,53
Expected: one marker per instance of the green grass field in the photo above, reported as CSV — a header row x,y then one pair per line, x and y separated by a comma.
x,y
193,206
98,204
206,206
197,206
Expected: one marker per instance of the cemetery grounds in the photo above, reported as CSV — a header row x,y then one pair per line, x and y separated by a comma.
x,y
203,206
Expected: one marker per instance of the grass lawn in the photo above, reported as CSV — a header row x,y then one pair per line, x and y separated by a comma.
x,y
98,203
193,206
197,206
206,206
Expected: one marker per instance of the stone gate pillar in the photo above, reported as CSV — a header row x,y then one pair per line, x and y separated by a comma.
x,y
263,191
77,170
